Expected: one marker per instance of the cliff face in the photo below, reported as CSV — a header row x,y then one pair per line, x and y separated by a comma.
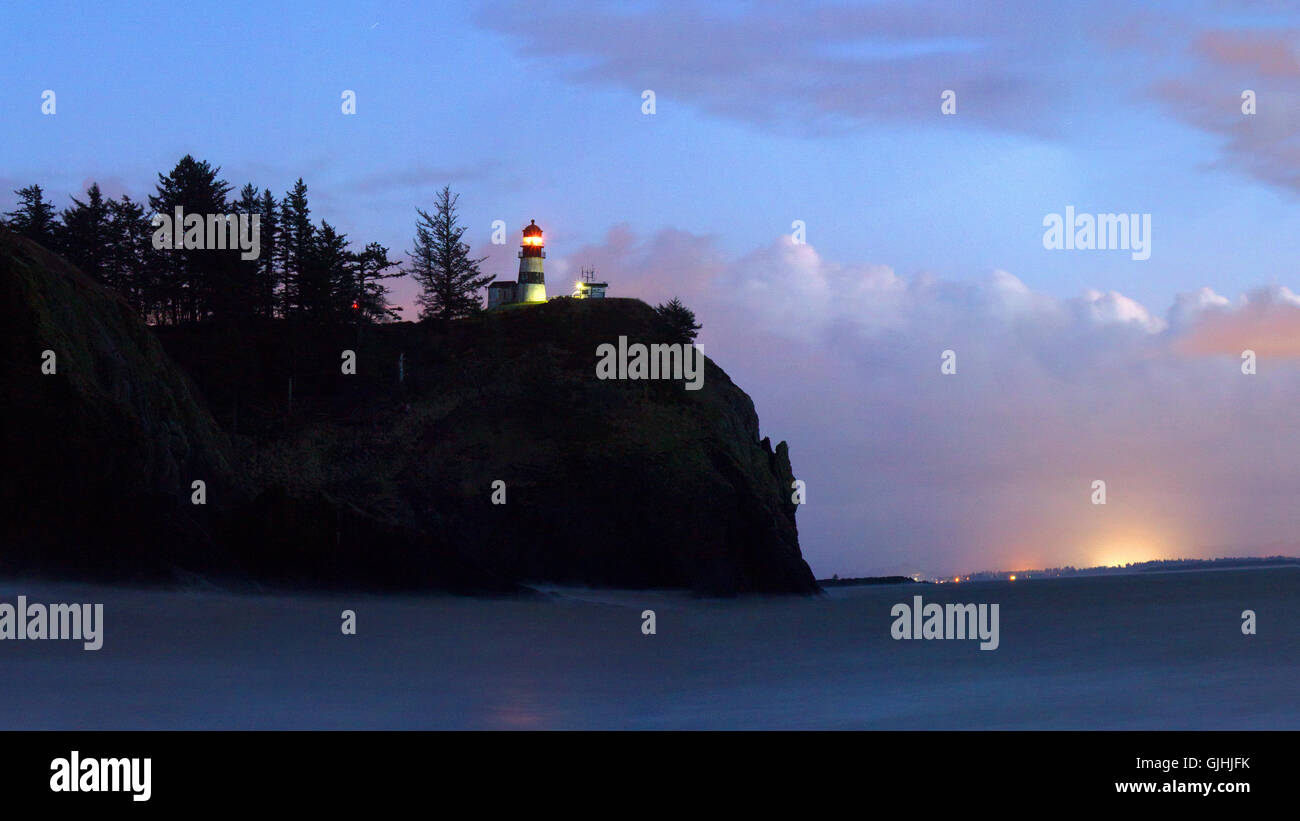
x,y
99,455
607,482
369,481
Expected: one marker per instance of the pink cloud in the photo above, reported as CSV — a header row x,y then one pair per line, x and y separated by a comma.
x,y
910,470
1267,322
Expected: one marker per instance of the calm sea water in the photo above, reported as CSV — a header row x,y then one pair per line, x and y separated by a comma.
x,y
1152,652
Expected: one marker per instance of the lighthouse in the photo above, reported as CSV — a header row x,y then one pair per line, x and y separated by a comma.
x,y
532,283
530,288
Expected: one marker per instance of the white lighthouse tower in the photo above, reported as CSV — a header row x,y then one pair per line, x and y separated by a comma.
x,y
532,282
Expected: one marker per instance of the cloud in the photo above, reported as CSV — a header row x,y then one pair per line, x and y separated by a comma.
x,y
1115,307
1018,66
1266,322
1200,82
806,67
912,470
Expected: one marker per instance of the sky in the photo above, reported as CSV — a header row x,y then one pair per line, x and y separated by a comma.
x,y
922,231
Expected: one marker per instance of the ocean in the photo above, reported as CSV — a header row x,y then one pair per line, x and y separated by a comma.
x,y
1142,651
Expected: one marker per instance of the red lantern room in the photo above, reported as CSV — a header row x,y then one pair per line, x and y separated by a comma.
x,y
532,244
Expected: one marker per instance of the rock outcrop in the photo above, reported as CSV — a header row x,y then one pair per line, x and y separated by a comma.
x,y
99,455
371,481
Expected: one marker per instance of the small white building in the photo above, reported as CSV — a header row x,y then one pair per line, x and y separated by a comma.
x,y
590,290
501,292
587,287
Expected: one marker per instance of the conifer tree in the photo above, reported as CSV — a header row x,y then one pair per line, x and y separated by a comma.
x,y
133,262
268,281
372,294
295,243
84,237
35,217
247,285
325,273
680,319
200,282
440,262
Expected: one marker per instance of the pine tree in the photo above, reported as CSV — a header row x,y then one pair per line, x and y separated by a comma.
x,y
325,275
268,280
372,299
133,262
201,282
35,217
295,243
247,281
680,319
440,262
84,238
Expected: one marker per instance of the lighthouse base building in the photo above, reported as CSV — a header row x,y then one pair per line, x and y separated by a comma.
x,y
501,293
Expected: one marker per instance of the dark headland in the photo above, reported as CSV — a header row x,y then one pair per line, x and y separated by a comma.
x,y
866,580
368,481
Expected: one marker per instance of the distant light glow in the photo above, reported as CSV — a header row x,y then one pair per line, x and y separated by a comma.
x,y
1119,555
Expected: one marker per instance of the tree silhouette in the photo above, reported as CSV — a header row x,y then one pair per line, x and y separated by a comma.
x,y
303,270
325,274
295,243
268,270
199,282
35,217
84,238
370,292
440,262
134,265
680,319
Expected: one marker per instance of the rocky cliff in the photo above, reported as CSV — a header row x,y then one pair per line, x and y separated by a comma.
x,y
99,453
383,478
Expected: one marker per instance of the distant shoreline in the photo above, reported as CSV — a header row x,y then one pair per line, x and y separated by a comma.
x,y
863,580
1136,568
1153,566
